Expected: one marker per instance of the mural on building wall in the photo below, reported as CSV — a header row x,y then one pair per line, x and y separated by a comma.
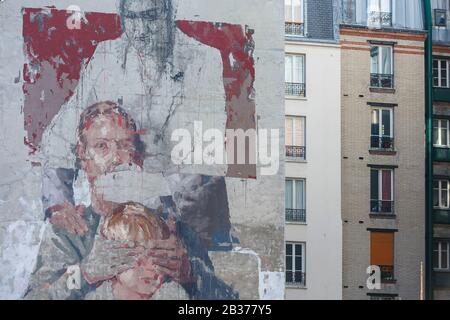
x,y
102,93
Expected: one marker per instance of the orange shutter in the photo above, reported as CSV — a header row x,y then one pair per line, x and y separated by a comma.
x,y
382,248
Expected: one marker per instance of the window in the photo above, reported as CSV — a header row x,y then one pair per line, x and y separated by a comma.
x,y
381,67
294,17
295,200
295,138
295,75
440,73
295,264
382,133
441,250
382,253
440,18
441,129
379,13
381,191
441,194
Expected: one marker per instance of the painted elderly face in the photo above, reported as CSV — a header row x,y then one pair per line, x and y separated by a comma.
x,y
108,144
148,27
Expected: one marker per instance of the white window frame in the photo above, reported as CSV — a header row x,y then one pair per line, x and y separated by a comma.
x,y
302,15
294,192
391,119
294,128
447,65
441,244
439,137
302,76
303,267
380,59
440,189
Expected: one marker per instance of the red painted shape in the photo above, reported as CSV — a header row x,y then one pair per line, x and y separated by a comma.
x,y
236,49
55,51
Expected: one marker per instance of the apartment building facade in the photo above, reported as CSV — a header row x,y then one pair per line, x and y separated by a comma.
x,y
313,189
439,151
383,154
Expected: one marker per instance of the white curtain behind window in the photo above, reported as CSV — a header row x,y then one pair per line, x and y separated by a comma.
x,y
289,195
407,14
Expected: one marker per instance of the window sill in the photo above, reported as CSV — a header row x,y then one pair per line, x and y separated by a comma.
x,y
442,270
391,216
296,98
296,223
297,160
381,152
295,286
382,90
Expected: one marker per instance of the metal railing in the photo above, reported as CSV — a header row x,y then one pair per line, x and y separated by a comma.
x,y
380,80
297,278
382,143
387,273
382,206
297,152
295,89
382,19
294,28
296,215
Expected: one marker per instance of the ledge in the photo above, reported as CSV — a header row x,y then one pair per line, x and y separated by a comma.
x,y
382,90
390,216
382,152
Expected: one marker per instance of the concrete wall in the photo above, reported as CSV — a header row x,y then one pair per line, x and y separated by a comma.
x,y
323,230
232,242
409,190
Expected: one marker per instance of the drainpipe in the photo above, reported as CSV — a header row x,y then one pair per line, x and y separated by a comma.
x,y
429,151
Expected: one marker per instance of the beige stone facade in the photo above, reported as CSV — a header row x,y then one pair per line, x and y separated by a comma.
x,y
407,161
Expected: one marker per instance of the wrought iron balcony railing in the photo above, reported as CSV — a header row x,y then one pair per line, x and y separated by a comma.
x,y
382,143
294,28
296,152
295,215
380,80
296,278
387,273
381,19
295,89
382,206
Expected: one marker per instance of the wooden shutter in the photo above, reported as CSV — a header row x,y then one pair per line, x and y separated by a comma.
x,y
382,248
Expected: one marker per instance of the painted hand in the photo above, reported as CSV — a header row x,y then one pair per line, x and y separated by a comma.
x,y
69,217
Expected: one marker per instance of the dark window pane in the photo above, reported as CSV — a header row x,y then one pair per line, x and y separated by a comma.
x,y
374,184
288,262
289,276
289,249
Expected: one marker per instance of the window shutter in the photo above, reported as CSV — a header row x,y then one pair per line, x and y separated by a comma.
x,y
382,248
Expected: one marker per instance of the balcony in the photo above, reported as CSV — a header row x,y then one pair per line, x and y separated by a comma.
x,y
441,94
380,19
296,152
295,279
382,143
387,274
379,80
294,28
382,207
295,89
441,154
441,215
296,215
